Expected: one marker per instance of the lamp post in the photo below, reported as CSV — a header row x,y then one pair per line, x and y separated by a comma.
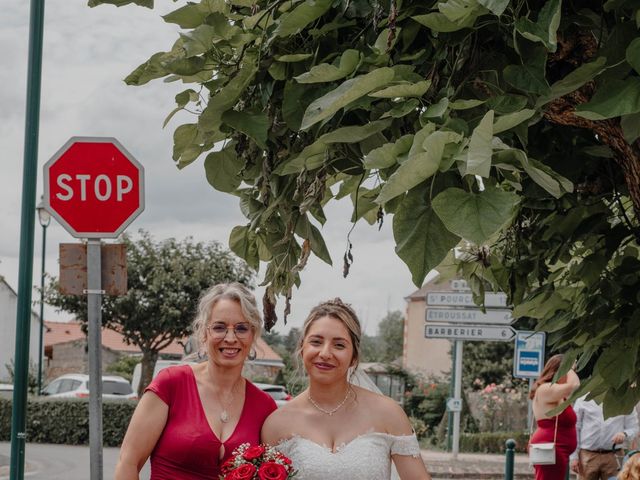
x,y
44,218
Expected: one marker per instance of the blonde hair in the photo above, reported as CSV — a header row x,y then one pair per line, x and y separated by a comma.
x,y
631,468
230,291
341,311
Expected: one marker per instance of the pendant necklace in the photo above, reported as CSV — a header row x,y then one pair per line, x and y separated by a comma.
x,y
224,414
333,410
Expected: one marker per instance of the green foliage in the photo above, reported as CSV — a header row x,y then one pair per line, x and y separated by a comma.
x,y
32,378
67,421
165,280
124,366
391,333
510,132
493,442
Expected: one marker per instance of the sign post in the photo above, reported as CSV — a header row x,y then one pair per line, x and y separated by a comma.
x,y
453,315
95,189
528,361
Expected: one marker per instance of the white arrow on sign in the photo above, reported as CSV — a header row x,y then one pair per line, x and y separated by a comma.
x,y
460,299
469,332
468,315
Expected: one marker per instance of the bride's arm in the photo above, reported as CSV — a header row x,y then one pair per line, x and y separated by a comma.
x,y
405,451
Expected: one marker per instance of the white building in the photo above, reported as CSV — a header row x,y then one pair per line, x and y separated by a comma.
x,y
8,310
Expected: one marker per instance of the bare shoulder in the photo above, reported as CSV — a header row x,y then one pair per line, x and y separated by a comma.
x,y
394,419
277,426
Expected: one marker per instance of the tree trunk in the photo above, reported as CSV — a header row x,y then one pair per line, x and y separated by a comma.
x,y
148,364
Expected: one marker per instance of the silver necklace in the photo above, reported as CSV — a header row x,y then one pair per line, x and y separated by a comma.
x,y
224,414
333,410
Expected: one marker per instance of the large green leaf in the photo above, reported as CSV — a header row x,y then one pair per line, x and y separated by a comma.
x,y
242,242
349,91
618,362
423,162
544,30
387,155
149,70
438,22
632,54
615,98
480,149
306,230
529,77
211,117
510,120
254,124
326,72
403,90
497,7
222,169
422,241
475,216
576,79
294,21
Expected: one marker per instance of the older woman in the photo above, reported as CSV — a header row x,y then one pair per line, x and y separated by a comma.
x,y
561,428
335,429
191,417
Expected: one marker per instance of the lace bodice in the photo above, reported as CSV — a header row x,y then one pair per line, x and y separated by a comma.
x,y
366,457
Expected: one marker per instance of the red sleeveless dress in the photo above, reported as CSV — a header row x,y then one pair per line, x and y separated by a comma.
x,y
566,443
187,448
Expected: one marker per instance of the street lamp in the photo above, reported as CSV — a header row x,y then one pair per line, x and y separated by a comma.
x,y
44,218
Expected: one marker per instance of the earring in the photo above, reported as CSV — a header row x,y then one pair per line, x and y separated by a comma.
x,y
252,354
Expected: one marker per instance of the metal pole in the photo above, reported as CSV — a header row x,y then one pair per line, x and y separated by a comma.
x,y
530,408
457,394
40,342
94,313
451,394
510,459
27,224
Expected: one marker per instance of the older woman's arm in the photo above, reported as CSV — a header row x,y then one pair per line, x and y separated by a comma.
x,y
144,430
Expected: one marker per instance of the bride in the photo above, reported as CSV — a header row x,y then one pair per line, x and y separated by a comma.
x,y
336,429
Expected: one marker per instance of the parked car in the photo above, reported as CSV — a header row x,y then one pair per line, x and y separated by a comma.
x,y
6,390
160,365
278,392
76,385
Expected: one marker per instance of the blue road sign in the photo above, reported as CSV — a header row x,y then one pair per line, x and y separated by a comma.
x,y
529,354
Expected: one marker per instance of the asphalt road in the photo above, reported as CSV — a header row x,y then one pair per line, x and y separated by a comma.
x,y
62,462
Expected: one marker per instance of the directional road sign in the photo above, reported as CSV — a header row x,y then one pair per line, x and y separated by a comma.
x,y
469,332
529,354
461,299
467,315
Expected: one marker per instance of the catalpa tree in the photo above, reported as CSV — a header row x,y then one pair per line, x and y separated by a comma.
x,y
507,129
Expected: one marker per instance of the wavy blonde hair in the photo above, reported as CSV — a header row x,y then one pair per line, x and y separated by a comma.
x,y
631,468
230,291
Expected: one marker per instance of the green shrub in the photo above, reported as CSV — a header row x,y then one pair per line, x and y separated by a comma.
x,y
67,421
492,442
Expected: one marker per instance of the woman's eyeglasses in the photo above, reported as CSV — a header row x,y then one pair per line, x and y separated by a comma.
x,y
240,330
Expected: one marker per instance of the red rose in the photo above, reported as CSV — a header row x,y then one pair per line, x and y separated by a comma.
x,y
272,471
227,466
243,472
252,453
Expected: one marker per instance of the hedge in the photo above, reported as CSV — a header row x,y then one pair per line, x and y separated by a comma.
x,y
67,421
492,442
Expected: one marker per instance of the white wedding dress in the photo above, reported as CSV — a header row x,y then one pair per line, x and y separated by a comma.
x,y
366,457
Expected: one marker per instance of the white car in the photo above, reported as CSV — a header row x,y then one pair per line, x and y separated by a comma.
x,y
76,385
278,392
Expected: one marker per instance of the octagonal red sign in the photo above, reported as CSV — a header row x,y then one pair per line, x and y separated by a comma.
x,y
94,187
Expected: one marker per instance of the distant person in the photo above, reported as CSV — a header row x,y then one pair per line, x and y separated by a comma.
x,y
631,468
546,396
192,417
599,440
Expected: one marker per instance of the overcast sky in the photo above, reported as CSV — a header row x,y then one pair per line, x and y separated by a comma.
x,y
87,53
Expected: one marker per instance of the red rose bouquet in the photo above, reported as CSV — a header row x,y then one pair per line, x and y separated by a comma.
x,y
258,462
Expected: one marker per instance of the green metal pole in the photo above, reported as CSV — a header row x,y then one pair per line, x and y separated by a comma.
x,y
509,465
40,340
451,394
27,224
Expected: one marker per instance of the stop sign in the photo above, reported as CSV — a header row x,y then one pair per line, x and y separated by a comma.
x,y
94,187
